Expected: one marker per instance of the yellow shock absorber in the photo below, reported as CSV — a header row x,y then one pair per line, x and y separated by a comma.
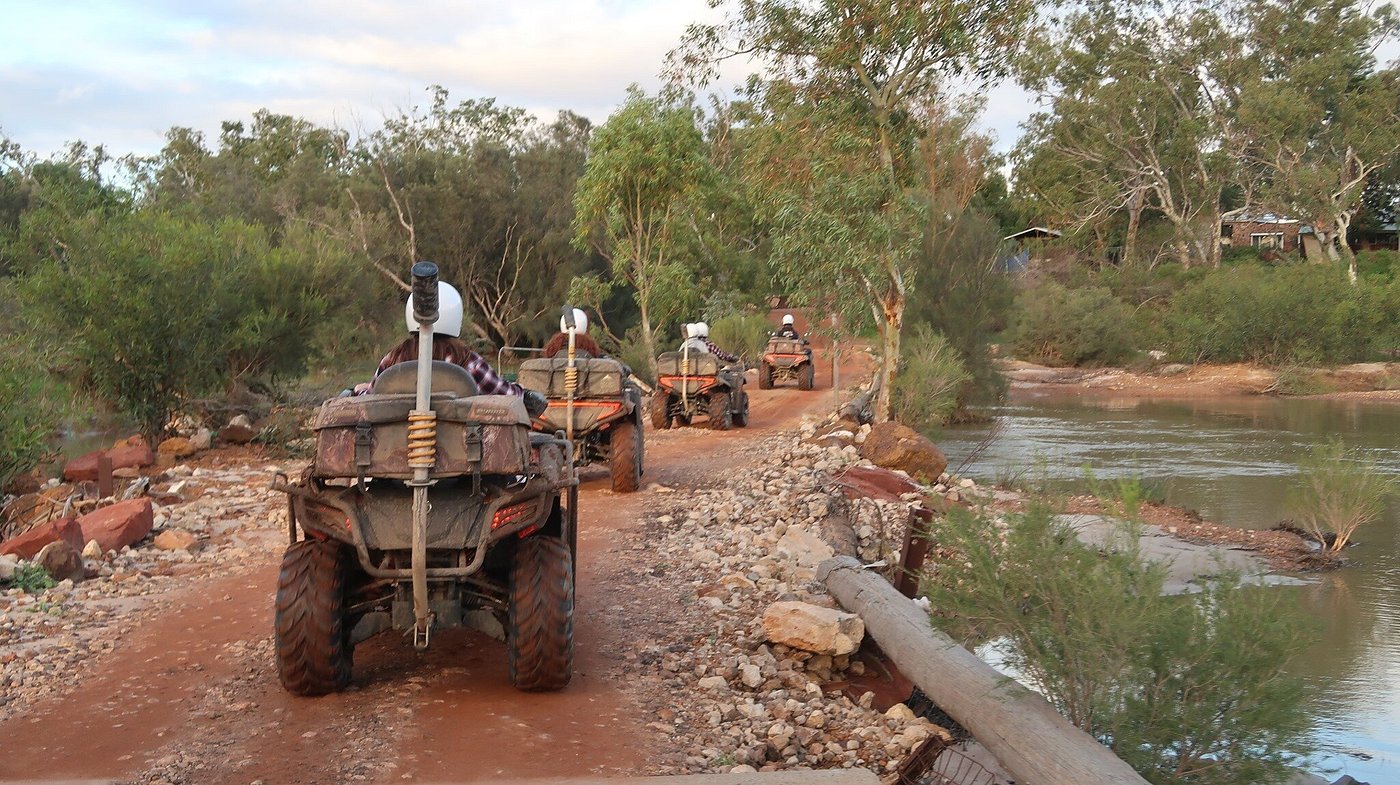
x,y
571,378
422,439
685,367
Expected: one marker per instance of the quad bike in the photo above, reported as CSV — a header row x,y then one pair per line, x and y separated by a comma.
x,y
694,383
594,402
428,507
784,360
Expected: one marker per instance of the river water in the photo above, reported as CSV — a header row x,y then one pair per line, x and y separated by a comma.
x,y
1233,459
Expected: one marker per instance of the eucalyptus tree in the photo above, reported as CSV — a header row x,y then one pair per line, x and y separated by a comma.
x,y
1322,119
1142,115
832,159
649,176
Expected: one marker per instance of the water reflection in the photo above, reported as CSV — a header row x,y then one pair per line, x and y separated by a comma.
x,y
1234,459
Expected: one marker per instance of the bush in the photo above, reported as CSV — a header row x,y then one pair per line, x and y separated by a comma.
x,y
1338,491
930,381
156,309
29,412
1297,313
1060,326
1186,689
1379,265
741,334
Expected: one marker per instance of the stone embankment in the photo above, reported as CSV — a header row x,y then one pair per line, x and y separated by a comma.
x,y
764,656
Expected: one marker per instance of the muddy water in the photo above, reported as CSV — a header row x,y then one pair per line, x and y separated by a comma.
x,y
1234,459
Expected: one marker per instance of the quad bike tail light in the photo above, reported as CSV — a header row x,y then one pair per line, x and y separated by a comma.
x,y
509,516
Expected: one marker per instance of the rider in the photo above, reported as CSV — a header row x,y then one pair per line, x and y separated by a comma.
x,y
446,346
584,345
698,340
788,330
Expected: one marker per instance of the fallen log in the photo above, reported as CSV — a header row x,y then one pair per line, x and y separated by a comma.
x,y
1025,733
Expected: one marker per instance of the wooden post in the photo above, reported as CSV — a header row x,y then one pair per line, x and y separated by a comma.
x,y
104,476
1019,727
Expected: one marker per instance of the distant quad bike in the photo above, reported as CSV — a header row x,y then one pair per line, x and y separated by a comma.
x,y
597,408
695,383
428,507
786,360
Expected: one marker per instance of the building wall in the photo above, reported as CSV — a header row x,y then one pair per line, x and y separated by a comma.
x,y
1242,234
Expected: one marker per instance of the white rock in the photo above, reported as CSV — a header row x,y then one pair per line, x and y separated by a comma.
x,y
92,551
805,547
202,439
8,564
900,712
714,683
752,676
813,628
967,482
241,420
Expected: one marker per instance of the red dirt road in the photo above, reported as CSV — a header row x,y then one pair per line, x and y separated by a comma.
x,y
190,693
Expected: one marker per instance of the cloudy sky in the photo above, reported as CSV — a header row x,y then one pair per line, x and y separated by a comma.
x,y
122,72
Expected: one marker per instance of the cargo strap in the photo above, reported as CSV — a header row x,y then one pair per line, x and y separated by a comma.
x,y
364,449
475,451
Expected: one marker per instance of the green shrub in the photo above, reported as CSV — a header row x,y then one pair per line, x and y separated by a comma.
x,y
1186,689
156,309
32,579
1060,326
1379,265
1293,313
632,351
930,381
29,410
1338,491
741,334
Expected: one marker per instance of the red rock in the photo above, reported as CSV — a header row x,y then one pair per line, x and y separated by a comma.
x,y
119,525
236,433
177,447
126,455
896,446
28,544
874,483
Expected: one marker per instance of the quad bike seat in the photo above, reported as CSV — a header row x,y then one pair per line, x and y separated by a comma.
x,y
402,379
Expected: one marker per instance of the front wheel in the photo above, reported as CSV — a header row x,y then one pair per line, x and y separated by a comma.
x,y
661,412
540,619
625,457
720,416
311,631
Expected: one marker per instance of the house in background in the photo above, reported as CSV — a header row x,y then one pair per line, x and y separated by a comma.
x,y
1383,238
1026,240
1265,231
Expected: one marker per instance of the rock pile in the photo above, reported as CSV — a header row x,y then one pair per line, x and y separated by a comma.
x,y
764,654
200,521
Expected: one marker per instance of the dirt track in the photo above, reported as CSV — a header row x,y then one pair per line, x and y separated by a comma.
x,y
190,694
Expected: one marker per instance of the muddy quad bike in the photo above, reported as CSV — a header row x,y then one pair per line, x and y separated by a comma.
x,y
597,407
694,383
427,507
786,360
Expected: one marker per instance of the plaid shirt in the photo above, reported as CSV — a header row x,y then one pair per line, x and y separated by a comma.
x,y
488,382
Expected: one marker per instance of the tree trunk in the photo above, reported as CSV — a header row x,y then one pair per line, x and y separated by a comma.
x,y
648,338
892,313
1343,222
1135,208
1183,250
1019,727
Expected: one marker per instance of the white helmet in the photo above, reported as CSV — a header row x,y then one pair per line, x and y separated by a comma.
x,y
702,330
449,321
787,318
690,331
580,322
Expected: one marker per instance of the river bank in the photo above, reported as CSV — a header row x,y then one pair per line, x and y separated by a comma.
x,y
1360,381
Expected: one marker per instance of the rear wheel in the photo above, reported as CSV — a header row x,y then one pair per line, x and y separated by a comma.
x,y
311,632
741,417
720,416
625,457
765,377
805,377
540,619
660,411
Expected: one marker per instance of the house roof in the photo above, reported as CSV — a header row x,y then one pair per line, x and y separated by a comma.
x,y
1035,232
1242,215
